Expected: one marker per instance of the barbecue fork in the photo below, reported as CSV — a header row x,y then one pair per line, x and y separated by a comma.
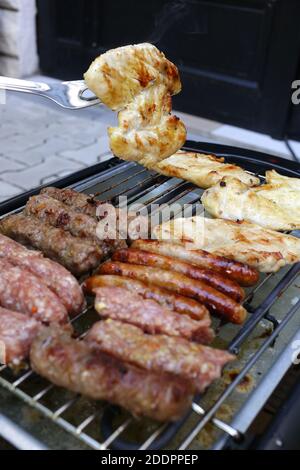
x,y
69,95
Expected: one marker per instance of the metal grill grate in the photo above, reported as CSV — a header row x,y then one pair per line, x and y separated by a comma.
x,y
99,425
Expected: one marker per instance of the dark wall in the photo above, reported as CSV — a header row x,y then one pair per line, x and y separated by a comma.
x,y
237,58
293,127
294,124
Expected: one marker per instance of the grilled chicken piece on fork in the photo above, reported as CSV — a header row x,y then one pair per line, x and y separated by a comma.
x,y
69,95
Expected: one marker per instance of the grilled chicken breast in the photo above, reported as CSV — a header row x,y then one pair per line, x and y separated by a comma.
x,y
272,177
147,132
119,75
271,206
283,191
249,243
138,81
202,170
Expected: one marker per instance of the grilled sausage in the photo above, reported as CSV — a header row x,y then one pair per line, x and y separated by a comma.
x,y
76,366
212,278
55,276
165,298
120,304
77,255
16,335
25,293
214,300
58,214
239,272
159,353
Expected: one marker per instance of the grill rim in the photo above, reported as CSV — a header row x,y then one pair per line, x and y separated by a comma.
x,y
112,166
288,167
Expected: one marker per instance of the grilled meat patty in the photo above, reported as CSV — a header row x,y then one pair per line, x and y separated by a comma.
x,y
77,255
26,293
17,332
89,205
58,214
55,276
80,202
160,353
120,304
76,366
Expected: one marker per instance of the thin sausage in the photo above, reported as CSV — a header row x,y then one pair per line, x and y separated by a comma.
x,y
212,278
165,298
239,272
214,300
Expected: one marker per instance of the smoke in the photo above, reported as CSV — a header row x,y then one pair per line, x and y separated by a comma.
x,y
170,14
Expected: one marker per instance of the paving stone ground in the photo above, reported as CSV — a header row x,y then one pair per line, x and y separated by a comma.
x,y
40,142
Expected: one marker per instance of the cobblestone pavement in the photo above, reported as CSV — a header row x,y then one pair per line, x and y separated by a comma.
x,y
40,142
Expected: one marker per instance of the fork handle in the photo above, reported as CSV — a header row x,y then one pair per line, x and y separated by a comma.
x,y
14,84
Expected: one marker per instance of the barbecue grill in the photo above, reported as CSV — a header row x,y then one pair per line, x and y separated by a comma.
x,y
38,415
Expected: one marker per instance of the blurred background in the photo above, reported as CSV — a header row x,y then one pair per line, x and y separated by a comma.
x,y
237,60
